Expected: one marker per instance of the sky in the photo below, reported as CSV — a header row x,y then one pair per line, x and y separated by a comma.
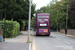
x,y
41,3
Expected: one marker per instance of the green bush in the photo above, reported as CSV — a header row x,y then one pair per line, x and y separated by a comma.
x,y
0,24
22,23
12,28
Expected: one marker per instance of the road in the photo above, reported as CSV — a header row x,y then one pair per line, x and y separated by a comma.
x,y
55,41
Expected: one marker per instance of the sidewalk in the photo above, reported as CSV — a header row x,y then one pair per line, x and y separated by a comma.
x,y
68,35
13,46
21,38
17,43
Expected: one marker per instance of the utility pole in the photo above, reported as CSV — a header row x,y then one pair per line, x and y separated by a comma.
x,y
67,17
29,21
66,21
4,26
57,21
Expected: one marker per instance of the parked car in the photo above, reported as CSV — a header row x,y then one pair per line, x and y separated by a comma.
x,y
34,29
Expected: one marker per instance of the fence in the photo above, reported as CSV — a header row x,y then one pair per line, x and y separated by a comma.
x,y
69,31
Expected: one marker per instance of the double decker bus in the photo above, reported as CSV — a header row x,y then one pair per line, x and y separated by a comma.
x,y
42,24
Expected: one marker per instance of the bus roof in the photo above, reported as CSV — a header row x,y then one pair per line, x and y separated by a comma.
x,y
42,14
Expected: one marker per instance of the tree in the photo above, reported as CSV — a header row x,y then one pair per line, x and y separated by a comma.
x,y
33,22
57,9
41,10
72,14
33,10
16,9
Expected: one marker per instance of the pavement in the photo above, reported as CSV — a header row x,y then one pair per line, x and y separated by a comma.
x,y
68,35
13,46
17,43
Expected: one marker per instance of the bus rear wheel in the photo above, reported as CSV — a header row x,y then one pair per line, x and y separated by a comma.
x,y
47,35
36,35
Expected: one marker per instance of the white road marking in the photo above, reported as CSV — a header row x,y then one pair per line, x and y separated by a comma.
x,y
58,38
63,41
66,42
64,47
30,46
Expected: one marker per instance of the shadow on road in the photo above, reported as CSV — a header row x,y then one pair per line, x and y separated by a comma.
x,y
34,34
43,36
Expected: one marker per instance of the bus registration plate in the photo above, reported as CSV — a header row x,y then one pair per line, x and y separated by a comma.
x,y
43,34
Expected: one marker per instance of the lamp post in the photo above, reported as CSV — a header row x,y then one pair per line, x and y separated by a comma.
x,y
57,21
66,21
4,26
29,21
67,17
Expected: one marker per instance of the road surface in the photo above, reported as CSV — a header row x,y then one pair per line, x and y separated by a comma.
x,y
55,41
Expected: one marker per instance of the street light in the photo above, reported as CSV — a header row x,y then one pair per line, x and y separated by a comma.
x,y
4,26
67,17
57,21
29,21
66,21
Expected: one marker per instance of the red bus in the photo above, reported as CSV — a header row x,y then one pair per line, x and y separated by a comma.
x,y
42,24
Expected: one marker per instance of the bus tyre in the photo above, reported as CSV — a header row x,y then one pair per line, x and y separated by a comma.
x,y
36,35
47,35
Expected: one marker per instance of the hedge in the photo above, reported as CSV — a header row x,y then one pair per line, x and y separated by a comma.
x,y
12,28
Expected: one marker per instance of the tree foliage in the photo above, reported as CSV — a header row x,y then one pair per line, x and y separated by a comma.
x,y
16,9
72,14
33,22
57,13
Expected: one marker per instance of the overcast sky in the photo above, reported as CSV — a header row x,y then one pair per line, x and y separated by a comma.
x,y
41,3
